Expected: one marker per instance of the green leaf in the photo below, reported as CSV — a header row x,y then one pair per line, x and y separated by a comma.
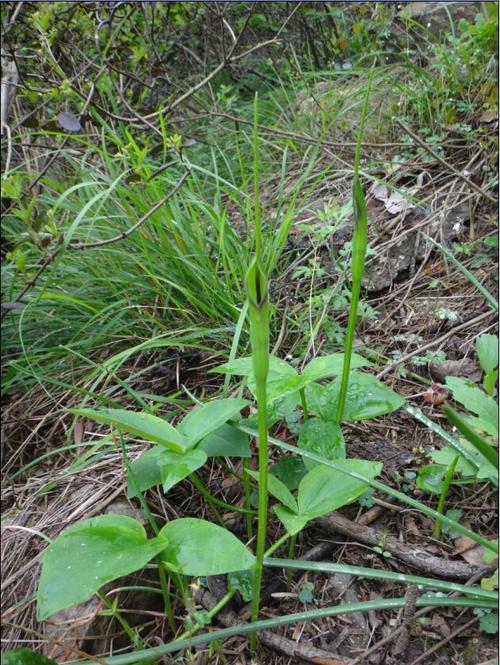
x,y
484,471
323,438
200,548
292,522
282,378
490,381
323,366
158,466
88,555
290,470
278,489
475,400
487,352
488,623
366,398
489,555
25,657
203,420
306,593
179,467
243,582
490,583
325,489
431,478
140,424
225,441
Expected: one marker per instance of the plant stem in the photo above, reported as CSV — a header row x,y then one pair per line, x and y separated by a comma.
x,y
247,488
444,493
359,241
259,336
131,634
303,401
267,624
197,482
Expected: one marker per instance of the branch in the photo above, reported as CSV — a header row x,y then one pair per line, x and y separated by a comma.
x,y
125,234
442,161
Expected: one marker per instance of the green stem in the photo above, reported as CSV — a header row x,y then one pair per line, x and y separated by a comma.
x,y
256,181
248,492
444,493
267,624
263,501
303,401
131,634
359,243
487,451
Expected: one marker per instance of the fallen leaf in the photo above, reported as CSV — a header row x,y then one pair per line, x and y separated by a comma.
x,y
490,115
379,192
397,203
440,625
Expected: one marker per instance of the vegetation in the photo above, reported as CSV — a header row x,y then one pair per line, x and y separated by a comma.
x,y
248,263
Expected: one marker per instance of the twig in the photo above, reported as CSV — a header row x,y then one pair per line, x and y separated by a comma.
x,y
440,644
144,218
295,650
33,280
416,557
401,644
442,161
429,345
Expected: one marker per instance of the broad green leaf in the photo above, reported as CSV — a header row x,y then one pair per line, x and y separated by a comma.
x,y
292,522
203,420
431,478
179,467
146,471
200,548
331,365
158,466
367,397
490,381
278,489
477,401
487,352
290,470
282,378
236,367
323,438
88,555
138,423
325,489
226,441
25,657
488,623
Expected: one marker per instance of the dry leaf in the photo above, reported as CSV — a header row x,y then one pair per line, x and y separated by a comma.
x,y
490,115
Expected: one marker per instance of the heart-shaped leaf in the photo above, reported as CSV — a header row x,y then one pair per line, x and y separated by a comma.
x,y
431,478
325,489
323,438
88,555
203,420
487,352
138,423
200,548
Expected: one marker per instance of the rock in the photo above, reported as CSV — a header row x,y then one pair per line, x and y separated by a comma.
x,y
436,16
464,367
